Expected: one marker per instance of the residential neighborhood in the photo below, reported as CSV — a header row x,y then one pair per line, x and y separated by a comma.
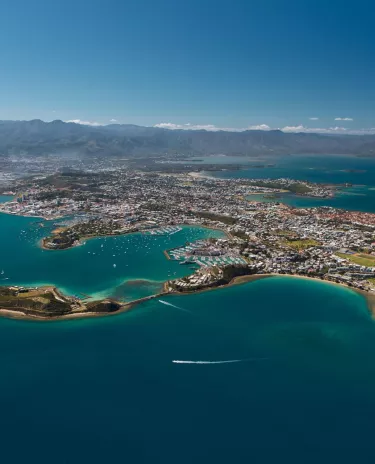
x,y
266,237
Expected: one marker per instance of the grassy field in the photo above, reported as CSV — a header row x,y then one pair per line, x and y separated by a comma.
x,y
360,258
301,244
296,187
216,217
285,233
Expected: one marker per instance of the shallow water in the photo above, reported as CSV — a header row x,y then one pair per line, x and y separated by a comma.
x,y
89,269
329,169
106,389
357,198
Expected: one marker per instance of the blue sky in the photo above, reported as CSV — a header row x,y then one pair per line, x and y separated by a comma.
x,y
227,64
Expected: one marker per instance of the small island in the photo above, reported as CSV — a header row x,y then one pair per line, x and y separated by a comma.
x,y
48,303
77,232
217,263
261,238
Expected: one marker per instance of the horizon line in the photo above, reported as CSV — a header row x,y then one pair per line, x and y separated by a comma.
x,y
299,129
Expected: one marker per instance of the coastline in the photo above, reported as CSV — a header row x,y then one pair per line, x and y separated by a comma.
x,y
124,307
49,218
90,237
369,297
83,239
227,234
129,306
199,175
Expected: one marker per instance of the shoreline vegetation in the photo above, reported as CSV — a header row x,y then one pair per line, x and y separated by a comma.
x,y
109,307
46,303
79,309
56,232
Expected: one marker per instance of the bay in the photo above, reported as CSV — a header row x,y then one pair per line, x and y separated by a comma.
x,y
140,265
326,169
106,389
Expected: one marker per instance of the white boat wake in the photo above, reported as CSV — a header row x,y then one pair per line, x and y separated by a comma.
x,y
174,306
228,361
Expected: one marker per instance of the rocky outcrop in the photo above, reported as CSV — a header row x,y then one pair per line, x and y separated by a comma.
x,y
48,303
104,306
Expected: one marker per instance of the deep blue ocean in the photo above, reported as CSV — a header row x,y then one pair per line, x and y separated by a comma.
x,y
106,390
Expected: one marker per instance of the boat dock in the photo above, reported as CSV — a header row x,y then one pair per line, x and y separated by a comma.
x,y
169,230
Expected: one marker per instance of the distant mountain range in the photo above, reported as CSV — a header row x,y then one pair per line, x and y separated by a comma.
x,y
57,137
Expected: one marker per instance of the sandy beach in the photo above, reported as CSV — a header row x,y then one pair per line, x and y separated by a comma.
x,y
125,307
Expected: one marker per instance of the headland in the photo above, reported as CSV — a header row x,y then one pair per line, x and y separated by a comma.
x,y
260,238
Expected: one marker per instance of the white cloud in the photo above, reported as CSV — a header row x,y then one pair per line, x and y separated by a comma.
x,y
188,126
314,119
319,130
113,120
209,127
300,128
259,127
329,130
84,123
344,119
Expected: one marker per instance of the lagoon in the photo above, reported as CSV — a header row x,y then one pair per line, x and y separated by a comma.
x,y
326,169
106,389
141,267
357,198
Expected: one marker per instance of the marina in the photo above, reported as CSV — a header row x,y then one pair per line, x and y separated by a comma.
x,y
169,230
104,267
187,232
202,253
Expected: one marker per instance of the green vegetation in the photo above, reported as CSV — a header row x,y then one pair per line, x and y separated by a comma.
x,y
216,217
361,259
301,244
62,240
229,273
234,270
33,302
285,233
53,195
299,188
296,187
46,302
240,234
66,237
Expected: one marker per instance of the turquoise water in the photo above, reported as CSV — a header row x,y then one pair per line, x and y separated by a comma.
x,y
106,390
315,168
89,268
329,169
5,198
357,198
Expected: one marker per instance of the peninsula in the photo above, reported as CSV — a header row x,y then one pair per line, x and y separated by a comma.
x,y
48,303
262,238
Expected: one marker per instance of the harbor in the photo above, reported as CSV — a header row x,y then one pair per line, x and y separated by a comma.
x,y
98,270
169,230
206,253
